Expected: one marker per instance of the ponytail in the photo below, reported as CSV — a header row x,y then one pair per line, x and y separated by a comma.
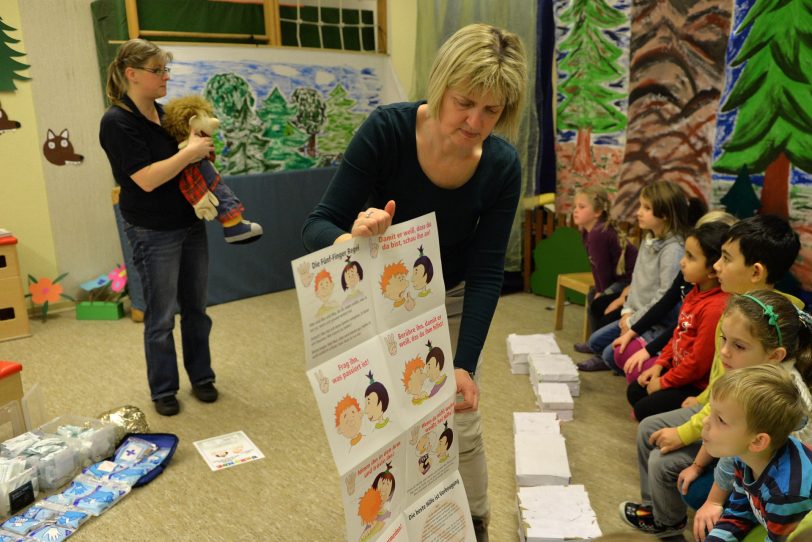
x,y
803,356
132,54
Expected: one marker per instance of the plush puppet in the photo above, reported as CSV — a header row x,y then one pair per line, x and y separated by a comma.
x,y
200,182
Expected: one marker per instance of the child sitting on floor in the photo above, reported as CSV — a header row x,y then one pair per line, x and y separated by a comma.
x,y
682,368
611,256
753,412
663,212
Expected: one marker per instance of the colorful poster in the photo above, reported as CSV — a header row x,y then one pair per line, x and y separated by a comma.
x,y
379,361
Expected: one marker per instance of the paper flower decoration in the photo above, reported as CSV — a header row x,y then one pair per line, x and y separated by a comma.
x,y
118,277
46,291
102,287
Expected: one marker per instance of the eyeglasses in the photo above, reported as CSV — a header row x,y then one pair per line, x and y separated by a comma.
x,y
157,71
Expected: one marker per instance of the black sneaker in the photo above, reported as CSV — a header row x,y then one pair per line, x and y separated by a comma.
x,y
205,392
167,406
641,517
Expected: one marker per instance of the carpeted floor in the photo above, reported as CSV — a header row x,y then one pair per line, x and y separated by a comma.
x,y
87,367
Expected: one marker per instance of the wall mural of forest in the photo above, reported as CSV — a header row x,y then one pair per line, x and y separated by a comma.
x,y
717,101
277,110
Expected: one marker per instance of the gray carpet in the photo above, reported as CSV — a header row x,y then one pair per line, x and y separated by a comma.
x,y
87,367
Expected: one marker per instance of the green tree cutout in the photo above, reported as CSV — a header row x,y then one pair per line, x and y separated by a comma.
x,y
240,129
285,138
341,122
741,200
591,63
773,127
8,66
310,115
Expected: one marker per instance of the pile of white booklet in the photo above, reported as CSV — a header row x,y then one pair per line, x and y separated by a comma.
x,y
556,513
554,397
536,422
519,347
541,459
554,368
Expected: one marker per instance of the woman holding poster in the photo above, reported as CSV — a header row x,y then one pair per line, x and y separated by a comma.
x,y
440,155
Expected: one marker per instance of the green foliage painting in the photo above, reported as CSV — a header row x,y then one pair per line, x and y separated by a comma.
x,y
9,66
591,64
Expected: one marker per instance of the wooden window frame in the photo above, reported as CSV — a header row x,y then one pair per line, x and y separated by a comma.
x,y
270,14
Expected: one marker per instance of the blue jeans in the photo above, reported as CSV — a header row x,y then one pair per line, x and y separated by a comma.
x,y
600,342
173,268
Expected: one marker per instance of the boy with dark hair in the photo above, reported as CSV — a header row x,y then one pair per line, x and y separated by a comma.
x,y
753,412
757,252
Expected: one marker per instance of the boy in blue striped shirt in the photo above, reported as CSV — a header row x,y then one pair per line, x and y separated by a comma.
x,y
753,412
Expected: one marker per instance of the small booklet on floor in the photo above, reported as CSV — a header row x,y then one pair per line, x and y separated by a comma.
x,y
228,450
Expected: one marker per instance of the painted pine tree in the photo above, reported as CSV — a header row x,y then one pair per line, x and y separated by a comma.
x,y
310,115
773,127
588,105
285,139
341,122
240,127
741,200
9,66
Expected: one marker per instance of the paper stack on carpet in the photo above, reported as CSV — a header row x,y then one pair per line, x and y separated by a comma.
x,y
519,347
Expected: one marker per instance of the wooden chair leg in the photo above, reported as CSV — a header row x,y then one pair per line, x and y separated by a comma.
x,y
586,321
559,305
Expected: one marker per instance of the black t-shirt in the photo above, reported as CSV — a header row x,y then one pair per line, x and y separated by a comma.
x,y
133,142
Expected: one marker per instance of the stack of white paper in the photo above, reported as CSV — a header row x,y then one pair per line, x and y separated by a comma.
x,y
535,422
555,514
554,397
520,346
541,459
554,368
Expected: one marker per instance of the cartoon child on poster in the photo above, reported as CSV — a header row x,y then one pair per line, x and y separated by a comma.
x,y
444,443
422,273
324,289
369,506
393,286
384,482
422,449
434,368
351,277
414,376
348,419
377,401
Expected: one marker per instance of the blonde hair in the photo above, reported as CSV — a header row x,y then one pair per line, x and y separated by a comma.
x,y
481,57
668,203
717,215
135,53
599,199
767,393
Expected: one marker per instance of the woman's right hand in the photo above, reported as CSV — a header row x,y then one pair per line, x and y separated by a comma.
x,y
373,221
198,148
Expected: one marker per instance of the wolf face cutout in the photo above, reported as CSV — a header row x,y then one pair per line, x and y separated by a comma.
x,y
58,149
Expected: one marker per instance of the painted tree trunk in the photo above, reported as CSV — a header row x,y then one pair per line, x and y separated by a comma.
x,y
311,146
775,193
582,160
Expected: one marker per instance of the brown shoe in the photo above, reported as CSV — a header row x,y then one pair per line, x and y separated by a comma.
x,y
480,528
136,315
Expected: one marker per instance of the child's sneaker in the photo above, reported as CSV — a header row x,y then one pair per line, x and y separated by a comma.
x,y
243,233
641,518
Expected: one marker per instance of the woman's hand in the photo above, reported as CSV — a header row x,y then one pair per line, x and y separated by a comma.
x,y
373,221
469,391
198,148
705,518
666,439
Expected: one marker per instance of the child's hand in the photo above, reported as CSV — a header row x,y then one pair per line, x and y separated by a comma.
x,y
624,323
688,475
614,305
623,341
690,402
653,385
705,518
646,376
666,439
635,361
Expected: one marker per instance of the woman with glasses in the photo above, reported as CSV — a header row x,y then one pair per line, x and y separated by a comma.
x,y
168,240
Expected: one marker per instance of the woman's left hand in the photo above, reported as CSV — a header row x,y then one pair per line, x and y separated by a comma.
x,y
469,391
373,221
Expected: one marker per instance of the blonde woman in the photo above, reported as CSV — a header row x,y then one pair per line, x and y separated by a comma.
x,y
441,155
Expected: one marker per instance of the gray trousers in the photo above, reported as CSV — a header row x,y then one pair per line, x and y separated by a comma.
x,y
473,467
658,471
